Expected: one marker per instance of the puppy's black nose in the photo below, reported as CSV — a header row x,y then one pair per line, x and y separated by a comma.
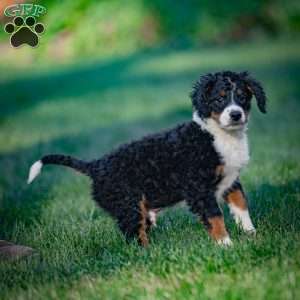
x,y
235,115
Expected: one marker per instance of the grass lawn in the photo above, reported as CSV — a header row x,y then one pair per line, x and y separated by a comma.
x,y
86,110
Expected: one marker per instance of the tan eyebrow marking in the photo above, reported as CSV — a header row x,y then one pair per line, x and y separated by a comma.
x,y
239,92
222,93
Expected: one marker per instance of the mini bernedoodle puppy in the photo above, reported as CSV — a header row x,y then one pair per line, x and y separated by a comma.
x,y
198,161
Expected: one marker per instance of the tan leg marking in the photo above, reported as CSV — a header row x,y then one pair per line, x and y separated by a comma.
x,y
239,209
142,235
237,199
217,228
215,116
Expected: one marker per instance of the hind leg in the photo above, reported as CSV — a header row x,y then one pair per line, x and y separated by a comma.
x,y
133,222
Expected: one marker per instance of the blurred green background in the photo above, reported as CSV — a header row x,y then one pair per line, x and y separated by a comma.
x,y
107,72
97,28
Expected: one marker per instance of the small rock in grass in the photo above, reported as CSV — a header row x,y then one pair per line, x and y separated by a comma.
x,y
10,251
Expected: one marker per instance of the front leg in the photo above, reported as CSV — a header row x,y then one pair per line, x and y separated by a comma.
x,y
236,200
207,208
217,230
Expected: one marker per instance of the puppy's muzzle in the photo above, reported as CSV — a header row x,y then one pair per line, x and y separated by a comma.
x,y
235,115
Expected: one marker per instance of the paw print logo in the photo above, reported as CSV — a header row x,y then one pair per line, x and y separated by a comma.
x,y
24,32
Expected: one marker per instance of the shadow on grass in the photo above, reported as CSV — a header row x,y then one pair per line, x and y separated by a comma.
x,y
23,93
81,80
276,205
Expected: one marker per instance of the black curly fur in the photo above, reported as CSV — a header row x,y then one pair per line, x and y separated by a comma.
x,y
68,161
256,88
163,168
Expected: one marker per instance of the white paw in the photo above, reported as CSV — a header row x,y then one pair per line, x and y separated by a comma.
x,y
247,226
226,241
251,231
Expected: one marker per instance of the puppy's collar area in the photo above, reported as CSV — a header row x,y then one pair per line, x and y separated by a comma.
x,y
212,127
202,123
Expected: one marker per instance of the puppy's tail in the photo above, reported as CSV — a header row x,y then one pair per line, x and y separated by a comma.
x,y
58,159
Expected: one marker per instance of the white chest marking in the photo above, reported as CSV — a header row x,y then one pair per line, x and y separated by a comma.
x,y
233,149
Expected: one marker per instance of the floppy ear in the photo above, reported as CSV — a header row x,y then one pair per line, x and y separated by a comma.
x,y
257,90
199,94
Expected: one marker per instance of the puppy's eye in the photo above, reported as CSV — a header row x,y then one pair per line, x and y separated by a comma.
x,y
239,92
242,99
219,100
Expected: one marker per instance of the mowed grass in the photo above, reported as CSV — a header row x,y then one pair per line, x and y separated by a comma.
x,y
88,109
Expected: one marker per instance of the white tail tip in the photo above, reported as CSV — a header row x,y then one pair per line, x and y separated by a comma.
x,y
35,170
